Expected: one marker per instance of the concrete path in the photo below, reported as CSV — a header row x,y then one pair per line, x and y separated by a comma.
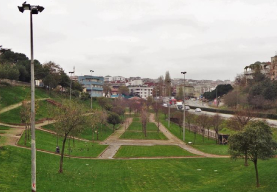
x,y
10,107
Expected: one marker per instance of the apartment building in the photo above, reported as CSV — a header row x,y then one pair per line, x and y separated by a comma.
x,y
92,84
142,91
273,68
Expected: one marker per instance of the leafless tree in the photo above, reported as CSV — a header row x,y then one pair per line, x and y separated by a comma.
x,y
203,121
216,122
69,122
144,119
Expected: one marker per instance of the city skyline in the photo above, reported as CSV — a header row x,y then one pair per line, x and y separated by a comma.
x,y
210,40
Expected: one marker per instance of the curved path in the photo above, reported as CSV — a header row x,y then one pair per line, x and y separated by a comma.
x,y
14,134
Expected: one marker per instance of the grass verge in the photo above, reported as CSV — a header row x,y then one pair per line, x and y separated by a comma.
x,y
152,151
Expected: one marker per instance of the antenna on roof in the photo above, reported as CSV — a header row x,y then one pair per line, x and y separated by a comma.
x,y
74,69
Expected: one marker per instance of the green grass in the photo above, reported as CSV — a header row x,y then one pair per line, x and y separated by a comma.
x,y
133,175
140,135
136,126
15,94
13,116
152,151
4,127
208,146
103,134
48,142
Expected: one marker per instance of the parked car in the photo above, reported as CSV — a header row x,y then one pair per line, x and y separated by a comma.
x,y
187,107
197,110
165,105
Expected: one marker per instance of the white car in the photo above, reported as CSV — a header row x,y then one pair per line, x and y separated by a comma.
x,y
187,107
197,110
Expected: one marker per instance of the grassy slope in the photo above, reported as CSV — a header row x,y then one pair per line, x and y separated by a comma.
x,y
133,175
152,151
16,94
13,116
48,142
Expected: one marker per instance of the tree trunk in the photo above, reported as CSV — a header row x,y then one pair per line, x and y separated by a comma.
x,y
216,140
245,159
208,134
257,175
62,154
25,134
194,138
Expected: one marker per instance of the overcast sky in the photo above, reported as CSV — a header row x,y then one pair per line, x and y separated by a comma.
x,y
210,39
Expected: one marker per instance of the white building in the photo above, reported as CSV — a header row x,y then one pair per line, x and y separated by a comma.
x,y
108,78
137,82
143,92
118,78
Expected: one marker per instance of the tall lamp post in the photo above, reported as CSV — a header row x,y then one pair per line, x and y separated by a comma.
x,y
91,71
34,9
169,85
184,112
71,72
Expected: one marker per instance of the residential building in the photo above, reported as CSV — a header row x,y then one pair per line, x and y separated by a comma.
x,y
263,67
142,91
92,84
108,78
273,68
118,78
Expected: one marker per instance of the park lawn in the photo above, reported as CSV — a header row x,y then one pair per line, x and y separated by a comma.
x,y
44,110
48,142
15,94
137,126
207,146
163,175
140,135
136,119
104,132
152,151
2,127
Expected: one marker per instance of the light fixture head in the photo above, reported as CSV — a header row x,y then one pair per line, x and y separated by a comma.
x,y
183,72
21,9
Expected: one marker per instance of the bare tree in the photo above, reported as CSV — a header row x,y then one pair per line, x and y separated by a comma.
x,y
240,119
144,119
69,122
189,119
25,114
203,121
216,122
194,129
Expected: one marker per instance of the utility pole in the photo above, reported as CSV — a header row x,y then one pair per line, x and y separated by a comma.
x,y
169,86
91,71
184,112
71,82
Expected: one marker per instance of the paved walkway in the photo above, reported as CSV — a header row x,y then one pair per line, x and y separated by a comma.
x,y
114,142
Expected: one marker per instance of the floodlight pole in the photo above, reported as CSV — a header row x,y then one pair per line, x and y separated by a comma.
x,y
184,112
33,10
33,137
169,86
91,71
70,83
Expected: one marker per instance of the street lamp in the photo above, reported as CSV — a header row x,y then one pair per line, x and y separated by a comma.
x,y
71,72
184,112
91,71
34,9
168,81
